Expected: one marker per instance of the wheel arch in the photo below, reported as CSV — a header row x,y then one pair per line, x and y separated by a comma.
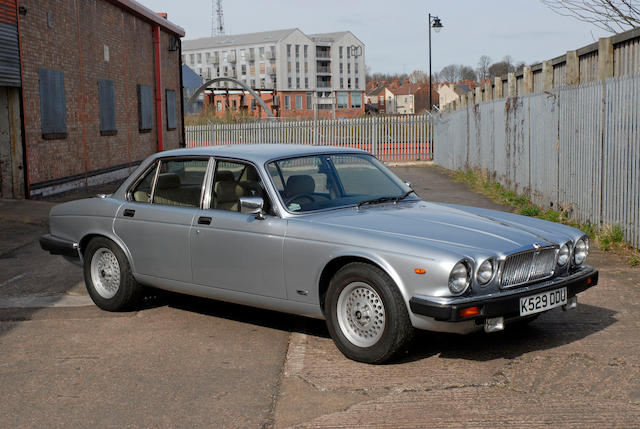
x,y
84,241
339,261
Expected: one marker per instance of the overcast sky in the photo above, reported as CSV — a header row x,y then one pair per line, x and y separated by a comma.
x,y
395,32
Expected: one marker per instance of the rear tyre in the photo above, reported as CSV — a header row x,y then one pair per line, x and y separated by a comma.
x,y
108,277
366,314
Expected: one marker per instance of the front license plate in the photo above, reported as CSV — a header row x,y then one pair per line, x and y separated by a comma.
x,y
543,301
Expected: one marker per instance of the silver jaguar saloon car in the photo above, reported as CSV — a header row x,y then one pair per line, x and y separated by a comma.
x,y
323,232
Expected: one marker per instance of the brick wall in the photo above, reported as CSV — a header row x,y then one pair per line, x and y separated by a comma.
x,y
56,35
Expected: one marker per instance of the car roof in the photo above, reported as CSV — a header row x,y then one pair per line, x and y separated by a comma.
x,y
259,153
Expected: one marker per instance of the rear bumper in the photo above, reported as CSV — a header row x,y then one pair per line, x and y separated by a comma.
x,y
505,304
58,246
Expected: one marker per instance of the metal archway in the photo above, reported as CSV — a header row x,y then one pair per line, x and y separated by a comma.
x,y
204,86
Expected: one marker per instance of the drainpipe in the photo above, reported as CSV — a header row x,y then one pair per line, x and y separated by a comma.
x,y
183,143
23,116
159,122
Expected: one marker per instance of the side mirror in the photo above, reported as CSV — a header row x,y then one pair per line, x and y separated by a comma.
x,y
252,205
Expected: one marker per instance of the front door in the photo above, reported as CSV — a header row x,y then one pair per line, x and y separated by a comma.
x,y
155,222
236,251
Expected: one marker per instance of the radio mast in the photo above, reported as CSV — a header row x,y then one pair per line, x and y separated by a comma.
x,y
217,18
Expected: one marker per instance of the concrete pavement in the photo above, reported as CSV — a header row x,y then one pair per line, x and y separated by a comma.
x,y
188,362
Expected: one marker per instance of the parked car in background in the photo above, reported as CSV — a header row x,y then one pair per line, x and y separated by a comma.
x,y
323,232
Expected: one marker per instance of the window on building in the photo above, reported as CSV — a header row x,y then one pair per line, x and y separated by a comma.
x,y
243,69
199,58
192,58
343,100
288,51
341,67
261,68
262,83
349,83
297,51
356,100
306,51
309,100
357,85
252,69
348,67
253,104
297,67
208,57
306,82
306,67
107,102
297,82
341,82
261,51
253,83
289,82
145,108
170,97
242,54
340,52
219,106
298,102
287,102
348,52
355,67
208,72
289,66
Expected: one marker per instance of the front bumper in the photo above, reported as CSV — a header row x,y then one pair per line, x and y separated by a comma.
x,y
504,303
58,246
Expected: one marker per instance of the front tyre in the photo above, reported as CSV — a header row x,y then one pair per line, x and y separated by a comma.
x,y
108,277
366,314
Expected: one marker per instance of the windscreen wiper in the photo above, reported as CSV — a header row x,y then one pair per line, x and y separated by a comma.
x,y
380,200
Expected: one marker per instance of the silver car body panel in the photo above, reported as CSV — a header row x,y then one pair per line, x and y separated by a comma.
x,y
277,263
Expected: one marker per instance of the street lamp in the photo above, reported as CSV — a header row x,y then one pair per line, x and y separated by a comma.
x,y
434,22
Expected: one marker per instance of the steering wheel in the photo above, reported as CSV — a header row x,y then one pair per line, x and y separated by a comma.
x,y
296,196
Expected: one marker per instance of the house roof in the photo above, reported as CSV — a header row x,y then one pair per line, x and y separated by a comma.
x,y
236,39
406,89
462,88
190,79
376,91
328,37
149,15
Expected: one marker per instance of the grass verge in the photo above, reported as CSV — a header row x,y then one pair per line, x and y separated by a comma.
x,y
609,238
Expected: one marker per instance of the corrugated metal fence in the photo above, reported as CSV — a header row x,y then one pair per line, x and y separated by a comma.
x,y
393,138
577,148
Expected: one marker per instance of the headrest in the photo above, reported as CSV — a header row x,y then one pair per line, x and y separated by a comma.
x,y
225,176
168,181
299,184
227,191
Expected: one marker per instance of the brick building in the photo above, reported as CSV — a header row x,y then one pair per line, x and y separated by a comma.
x,y
91,88
296,74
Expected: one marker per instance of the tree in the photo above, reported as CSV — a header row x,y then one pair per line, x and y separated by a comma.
x,y
498,69
483,67
456,72
468,73
418,76
609,15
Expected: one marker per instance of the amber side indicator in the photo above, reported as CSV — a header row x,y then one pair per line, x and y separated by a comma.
x,y
420,271
470,311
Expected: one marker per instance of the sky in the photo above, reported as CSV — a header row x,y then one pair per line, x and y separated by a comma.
x,y
395,32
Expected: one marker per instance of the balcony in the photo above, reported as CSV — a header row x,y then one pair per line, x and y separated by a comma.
x,y
213,59
250,56
231,57
323,69
271,56
323,84
323,53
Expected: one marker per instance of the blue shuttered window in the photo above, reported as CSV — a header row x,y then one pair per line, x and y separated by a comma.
x,y
53,108
107,102
145,108
170,96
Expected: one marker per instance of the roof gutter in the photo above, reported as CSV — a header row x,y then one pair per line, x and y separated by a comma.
x,y
148,15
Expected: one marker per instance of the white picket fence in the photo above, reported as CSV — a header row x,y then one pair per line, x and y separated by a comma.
x,y
393,138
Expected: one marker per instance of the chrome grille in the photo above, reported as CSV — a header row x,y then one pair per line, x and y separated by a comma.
x,y
528,266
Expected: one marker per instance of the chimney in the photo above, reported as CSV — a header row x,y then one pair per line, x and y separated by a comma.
x,y
163,14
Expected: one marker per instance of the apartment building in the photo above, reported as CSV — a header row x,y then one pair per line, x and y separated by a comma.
x,y
295,73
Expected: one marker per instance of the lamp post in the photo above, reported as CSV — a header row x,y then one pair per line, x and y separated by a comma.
x,y
434,22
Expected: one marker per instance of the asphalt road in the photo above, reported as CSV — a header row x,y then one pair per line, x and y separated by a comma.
x,y
189,362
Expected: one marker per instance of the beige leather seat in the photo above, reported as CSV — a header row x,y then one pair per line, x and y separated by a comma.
x,y
170,193
226,191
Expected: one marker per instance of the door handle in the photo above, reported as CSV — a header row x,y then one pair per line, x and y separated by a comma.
x,y
204,220
129,212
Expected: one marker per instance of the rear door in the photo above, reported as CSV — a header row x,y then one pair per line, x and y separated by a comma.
x,y
155,221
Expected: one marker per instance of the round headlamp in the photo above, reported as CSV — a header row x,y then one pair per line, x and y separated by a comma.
x,y
459,278
581,251
563,255
485,272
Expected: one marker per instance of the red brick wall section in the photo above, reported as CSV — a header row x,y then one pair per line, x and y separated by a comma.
x,y
292,113
57,36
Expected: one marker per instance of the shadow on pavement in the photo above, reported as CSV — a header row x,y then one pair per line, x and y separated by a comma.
x,y
551,330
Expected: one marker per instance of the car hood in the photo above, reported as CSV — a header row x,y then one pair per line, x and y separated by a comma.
x,y
450,225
